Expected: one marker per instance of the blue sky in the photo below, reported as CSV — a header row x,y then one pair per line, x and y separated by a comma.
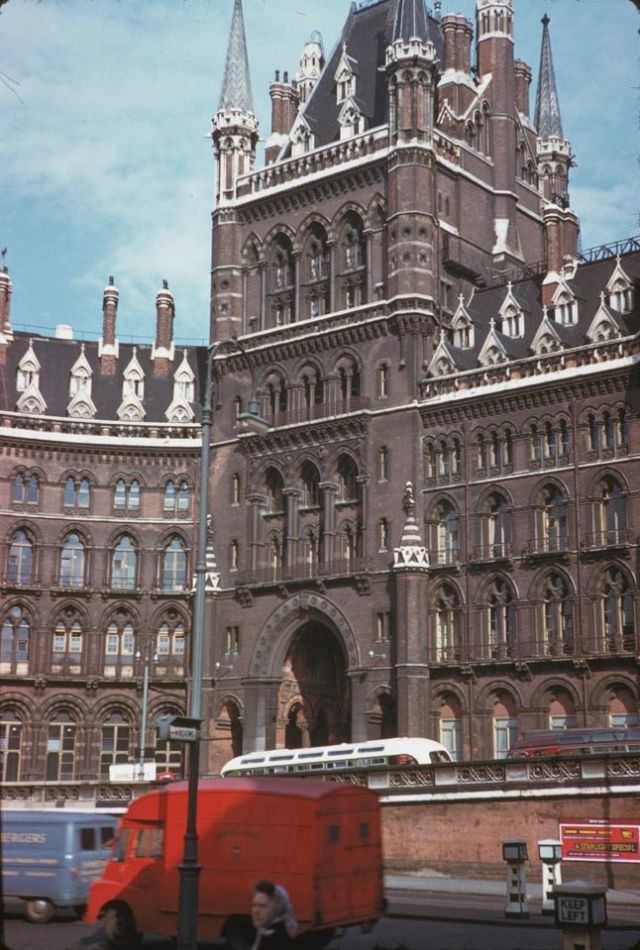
x,y
106,167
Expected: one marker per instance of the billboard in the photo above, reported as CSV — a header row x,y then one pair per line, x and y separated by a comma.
x,y
600,841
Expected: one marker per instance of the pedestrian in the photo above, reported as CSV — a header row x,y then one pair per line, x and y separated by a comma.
x,y
272,916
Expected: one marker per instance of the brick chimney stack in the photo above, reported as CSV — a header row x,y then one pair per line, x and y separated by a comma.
x,y
457,85
284,108
163,349
6,333
108,345
522,75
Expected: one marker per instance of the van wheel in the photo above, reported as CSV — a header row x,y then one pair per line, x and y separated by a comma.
x,y
38,910
239,933
120,928
80,910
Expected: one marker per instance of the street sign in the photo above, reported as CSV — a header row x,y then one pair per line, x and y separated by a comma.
x,y
178,728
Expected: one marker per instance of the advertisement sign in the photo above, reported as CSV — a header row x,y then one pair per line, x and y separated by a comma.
x,y
600,841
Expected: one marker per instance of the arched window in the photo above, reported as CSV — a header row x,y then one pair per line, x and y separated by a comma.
x,y
346,547
310,552
274,553
170,641
623,708
451,726
25,488
616,611
383,535
119,647
170,496
501,619
275,488
347,479
505,724
77,493
120,494
20,561
84,493
169,755
124,564
611,513
133,501
11,728
61,748
497,527
14,641
235,489
72,562
557,615
115,742
383,381
234,556
383,464
183,495
448,625
553,528
349,380
447,523
176,496
561,711
174,565
310,486
66,646
69,498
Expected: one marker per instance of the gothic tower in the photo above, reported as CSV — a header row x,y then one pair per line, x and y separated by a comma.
x,y
235,136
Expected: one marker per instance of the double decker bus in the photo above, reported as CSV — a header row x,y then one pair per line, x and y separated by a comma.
x,y
346,757
595,741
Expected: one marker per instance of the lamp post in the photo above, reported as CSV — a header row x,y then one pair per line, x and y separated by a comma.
x,y
145,705
189,868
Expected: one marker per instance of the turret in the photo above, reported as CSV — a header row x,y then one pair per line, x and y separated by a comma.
x,y
108,345
235,126
494,34
410,66
554,161
163,349
235,136
311,65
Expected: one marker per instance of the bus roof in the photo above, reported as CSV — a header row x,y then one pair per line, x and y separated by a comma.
x,y
55,816
396,745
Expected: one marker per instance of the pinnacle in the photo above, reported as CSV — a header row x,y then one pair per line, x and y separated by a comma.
x,y
236,84
547,116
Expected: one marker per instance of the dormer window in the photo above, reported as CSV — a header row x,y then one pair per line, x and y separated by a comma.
x,y
621,298
345,77
512,322
28,373
566,311
345,87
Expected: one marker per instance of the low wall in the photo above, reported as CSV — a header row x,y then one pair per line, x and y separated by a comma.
x,y
463,838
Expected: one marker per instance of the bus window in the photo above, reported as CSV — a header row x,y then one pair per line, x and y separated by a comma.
x,y
88,839
106,836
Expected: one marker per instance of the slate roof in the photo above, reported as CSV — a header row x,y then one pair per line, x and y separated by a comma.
x,y
57,356
366,34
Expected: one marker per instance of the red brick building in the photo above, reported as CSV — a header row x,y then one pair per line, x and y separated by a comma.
x,y
425,437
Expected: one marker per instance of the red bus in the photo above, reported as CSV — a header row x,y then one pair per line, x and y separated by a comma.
x,y
594,741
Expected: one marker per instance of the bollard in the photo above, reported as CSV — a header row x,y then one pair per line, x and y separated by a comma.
x,y
514,852
550,853
581,911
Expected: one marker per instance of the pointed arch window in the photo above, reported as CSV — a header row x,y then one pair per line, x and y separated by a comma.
x,y
61,748
347,547
497,527
177,496
120,494
25,488
174,565
124,564
77,492
611,514
447,624
554,520
115,742
170,640
617,612
447,523
15,641
310,486
72,561
11,734
67,643
451,726
501,619
126,496
347,479
275,489
119,647
310,552
557,615
20,561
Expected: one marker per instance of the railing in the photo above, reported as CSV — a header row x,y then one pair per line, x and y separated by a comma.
x,y
281,574
608,538
555,776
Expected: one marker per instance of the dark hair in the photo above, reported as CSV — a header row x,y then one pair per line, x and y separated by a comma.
x,y
263,886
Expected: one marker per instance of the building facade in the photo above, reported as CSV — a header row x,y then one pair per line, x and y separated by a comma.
x,y
425,432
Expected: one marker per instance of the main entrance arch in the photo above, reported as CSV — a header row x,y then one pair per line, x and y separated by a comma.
x,y
300,675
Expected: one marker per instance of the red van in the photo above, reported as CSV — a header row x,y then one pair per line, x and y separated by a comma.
x,y
320,840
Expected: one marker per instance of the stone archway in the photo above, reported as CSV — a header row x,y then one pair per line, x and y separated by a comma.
x,y
313,704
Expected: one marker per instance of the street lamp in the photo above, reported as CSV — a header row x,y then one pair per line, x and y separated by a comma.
x,y
145,706
189,869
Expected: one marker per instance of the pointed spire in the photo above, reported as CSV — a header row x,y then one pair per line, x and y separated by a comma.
x,y
412,554
410,21
236,84
547,117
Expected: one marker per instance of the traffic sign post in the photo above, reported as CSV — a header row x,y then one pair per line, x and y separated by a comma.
x,y
178,728
581,910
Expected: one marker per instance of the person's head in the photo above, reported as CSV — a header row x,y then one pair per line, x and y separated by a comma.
x,y
263,903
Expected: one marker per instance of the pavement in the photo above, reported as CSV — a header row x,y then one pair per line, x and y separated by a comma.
x,y
437,896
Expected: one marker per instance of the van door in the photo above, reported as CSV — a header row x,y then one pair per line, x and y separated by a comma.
x,y
92,847
143,873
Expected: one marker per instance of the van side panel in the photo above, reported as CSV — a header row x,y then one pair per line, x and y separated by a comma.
x,y
52,855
